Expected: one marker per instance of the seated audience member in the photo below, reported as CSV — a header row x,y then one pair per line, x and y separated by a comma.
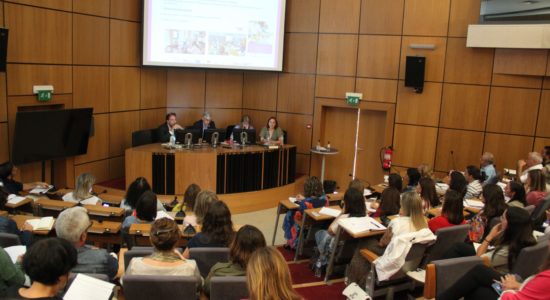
x,y
83,191
135,190
411,219
452,212
272,133
203,202
457,182
488,171
515,192
426,189
474,188
165,260
478,283
217,229
389,203
536,183
146,211
313,197
204,123
395,181
72,225
354,207
8,172
48,263
10,274
494,206
188,203
166,129
425,171
268,276
547,230
357,184
247,240
533,162
8,225
412,177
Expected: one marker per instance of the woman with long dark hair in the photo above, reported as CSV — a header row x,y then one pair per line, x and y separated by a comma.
x,y
516,192
426,189
457,182
451,213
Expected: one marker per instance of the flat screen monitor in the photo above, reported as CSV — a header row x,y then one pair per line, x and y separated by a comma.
x,y
236,34
250,132
51,134
181,133
209,132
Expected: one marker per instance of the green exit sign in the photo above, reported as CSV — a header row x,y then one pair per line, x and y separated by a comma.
x,y
353,98
44,96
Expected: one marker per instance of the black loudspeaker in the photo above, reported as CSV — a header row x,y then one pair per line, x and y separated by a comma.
x,y
3,48
414,72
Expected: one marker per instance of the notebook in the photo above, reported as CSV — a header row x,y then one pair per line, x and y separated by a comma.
x,y
85,287
358,225
15,251
45,223
90,201
14,199
473,203
41,190
330,211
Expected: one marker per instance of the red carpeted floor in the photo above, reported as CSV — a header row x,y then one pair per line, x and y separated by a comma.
x,y
331,292
287,254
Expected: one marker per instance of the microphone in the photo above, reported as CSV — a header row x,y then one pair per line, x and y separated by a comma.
x,y
188,139
244,138
453,160
214,139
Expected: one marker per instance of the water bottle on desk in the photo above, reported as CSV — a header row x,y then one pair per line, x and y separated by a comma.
x,y
328,146
318,147
172,140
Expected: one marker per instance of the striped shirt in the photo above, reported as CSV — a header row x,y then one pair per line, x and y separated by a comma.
x,y
474,190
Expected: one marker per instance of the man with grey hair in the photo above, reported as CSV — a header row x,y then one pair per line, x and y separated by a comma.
x,y
205,123
487,162
533,162
72,225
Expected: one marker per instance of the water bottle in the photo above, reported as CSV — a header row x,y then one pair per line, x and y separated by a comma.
x,y
172,140
328,146
318,271
318,147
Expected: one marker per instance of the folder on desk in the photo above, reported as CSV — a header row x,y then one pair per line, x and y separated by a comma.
x,y
358,225
14,199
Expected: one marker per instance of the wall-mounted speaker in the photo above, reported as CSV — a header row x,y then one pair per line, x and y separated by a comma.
x,y
414,72
3,48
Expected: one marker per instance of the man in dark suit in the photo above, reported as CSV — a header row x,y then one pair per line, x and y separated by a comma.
x,y
166,129
204,123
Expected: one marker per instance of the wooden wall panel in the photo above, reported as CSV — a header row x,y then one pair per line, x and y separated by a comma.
x,y
333,86
92,7
419,109
513,110
91,88
414,145
382,16
126,10
187,116
98,145
426,17
3,98
463,13
543,126
21,78
125,46
4,146
153,88
38,35
185,88
100,169
224,89
116,167
540,143
467,65
546,84
435,59
520,61
296,93
152,118
508,149
2,13
464,106
517,81
302,164
300,52
339,16
295,126
225,117
375,49
90,40
466,148
121,127
54,4
382,90
260,90
124,88
337,54
302,16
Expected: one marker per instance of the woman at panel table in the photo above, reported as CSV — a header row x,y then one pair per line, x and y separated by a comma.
x,y
7,174
246,123
272,133
83,191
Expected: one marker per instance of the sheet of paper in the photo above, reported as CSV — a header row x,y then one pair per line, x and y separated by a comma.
x,y
354,292
330,212
357,225
367,192
473,203
162,214
369,207
90,201
292,199
41,190
14,199
15,251
45,223
88,288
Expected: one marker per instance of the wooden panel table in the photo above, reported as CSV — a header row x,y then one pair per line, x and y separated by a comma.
x,y
3,213
103,233
102,212
53,207
21,219
13,206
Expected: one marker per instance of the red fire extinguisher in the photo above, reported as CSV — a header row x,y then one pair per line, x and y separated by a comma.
x,y
385,157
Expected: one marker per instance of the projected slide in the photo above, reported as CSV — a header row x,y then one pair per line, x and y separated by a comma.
x,y
228,34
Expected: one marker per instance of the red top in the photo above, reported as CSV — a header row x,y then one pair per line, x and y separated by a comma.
x,y
535,197
534,289
440,222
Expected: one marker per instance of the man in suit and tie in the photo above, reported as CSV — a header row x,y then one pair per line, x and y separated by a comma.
x,y
205,123
166,130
